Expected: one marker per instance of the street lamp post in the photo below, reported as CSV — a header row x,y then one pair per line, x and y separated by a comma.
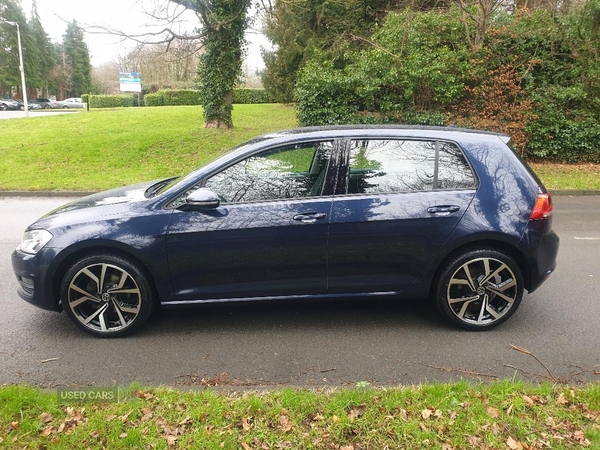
x,y
21,67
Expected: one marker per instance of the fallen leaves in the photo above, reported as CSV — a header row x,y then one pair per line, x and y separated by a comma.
x,y
75,418
493,412
523,419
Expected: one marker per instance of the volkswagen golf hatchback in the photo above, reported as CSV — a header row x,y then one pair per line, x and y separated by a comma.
x,y
404,212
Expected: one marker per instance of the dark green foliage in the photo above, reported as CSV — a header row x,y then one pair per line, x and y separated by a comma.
x,y
251,96
10,74
325,96
536,76
180,97
77,55
566,130
45,55
110,101
155,99
224,24
298,29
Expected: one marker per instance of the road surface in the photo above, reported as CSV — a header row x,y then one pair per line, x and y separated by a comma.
x,y
316,343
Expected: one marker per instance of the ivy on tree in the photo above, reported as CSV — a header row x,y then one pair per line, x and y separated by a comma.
x,y
224,23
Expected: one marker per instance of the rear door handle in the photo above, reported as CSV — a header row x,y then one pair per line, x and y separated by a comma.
x,y
444,210
309,217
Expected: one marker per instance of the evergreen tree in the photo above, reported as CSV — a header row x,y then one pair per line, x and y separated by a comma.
x,y
45,54
77,59
10,74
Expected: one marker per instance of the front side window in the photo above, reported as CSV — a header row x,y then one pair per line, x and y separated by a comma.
x,y
290,172
388,166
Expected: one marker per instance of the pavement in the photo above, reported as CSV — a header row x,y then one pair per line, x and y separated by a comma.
x,y
37,113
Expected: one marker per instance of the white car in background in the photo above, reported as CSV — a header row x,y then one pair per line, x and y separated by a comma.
x,y
73,102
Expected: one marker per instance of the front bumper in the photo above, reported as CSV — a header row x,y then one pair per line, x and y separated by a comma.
x,y
35,278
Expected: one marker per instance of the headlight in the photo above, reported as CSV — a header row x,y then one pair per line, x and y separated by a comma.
x,y
34,240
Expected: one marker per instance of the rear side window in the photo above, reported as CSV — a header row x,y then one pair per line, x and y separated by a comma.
x,y
388,166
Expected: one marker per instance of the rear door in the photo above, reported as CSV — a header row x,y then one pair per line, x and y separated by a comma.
x,y
397,203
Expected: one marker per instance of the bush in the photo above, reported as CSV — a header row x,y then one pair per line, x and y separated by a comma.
x,y
155,99
180,97
325,96
251,96
111,101
566,128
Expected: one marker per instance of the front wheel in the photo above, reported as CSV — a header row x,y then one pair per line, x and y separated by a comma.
x,y
107,295
479,289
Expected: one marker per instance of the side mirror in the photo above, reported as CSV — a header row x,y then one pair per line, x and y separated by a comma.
x,y
202,198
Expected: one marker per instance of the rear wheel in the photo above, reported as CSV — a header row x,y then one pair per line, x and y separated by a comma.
x,y
3,107
479,289
107,295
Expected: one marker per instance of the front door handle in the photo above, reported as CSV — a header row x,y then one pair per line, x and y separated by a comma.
x,y
444,210
309,217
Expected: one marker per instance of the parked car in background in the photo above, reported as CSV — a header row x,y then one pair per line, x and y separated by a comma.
x,y
73,102
326,212
45,103
8,103
29,106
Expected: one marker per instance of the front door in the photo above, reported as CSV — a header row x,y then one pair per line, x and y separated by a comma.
x,y
269,235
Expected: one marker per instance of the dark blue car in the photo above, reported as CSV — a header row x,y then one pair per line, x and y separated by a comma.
x,y
403,212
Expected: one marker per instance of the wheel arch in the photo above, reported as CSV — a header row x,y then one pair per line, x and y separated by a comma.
x,y
77,252
490,244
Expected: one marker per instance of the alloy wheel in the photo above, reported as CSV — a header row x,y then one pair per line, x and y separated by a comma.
x,y
482,291
104,297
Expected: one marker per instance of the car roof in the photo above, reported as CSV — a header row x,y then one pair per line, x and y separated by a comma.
x,y
417,131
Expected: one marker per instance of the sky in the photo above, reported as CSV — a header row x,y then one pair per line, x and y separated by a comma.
x,y
124,15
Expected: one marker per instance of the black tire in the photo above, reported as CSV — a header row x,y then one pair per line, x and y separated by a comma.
x,y
47,106
479,289
3,107
107,295
22,108
65,107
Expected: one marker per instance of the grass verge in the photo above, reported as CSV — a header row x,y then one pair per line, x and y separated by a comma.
x,y
102,149
568,176
447,416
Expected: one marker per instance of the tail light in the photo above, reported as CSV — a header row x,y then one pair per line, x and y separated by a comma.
x,y
542,208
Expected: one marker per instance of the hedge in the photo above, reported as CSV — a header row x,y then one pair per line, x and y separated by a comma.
x,y
110,101
173,97
248,96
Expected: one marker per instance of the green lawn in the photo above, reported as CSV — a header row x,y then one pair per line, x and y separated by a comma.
x,y
501,415
569,176
102,149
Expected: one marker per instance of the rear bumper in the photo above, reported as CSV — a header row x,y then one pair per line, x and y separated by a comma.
x,y
543,261
32,272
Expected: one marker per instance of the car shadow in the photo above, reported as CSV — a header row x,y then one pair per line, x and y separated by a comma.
x,y
299,315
